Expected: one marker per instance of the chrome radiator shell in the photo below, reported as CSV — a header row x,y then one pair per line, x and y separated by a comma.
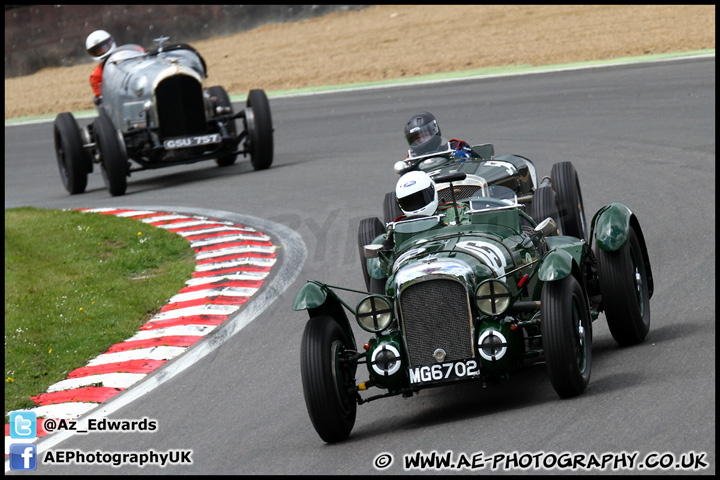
x,y
435,311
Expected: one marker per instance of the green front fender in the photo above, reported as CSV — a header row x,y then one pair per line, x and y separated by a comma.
x,y
311,295
556,265
320,300
612,226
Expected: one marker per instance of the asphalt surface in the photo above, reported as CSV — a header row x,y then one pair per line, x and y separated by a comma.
x,y
640,134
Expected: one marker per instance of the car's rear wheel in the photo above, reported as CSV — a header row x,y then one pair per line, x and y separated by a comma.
x,y
327,378
625,291
71,156
222,100
260,134
391,209
572,210
114,162
368,230
566,336
545,205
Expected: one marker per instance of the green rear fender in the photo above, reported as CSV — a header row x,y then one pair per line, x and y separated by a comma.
x,y
321,300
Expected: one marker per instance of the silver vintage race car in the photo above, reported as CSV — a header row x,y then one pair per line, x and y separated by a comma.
x,y
155,112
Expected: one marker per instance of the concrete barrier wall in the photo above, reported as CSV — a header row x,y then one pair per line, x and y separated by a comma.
x,y
39,36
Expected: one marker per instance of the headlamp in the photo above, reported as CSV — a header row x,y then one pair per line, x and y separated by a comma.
x,y
374,313
492,297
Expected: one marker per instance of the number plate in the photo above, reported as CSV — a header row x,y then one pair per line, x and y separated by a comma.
x,y
443,372
194,141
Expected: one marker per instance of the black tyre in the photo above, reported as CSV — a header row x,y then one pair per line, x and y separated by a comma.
x,y
114,163
223,100
326,379
260,134
71,156
566,336
391,209
368,230
572,210
624,289
545,205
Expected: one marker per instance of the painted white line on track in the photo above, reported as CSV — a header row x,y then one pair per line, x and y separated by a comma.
x,y
179,330
251,276
223,291
195,311
113,380
152,353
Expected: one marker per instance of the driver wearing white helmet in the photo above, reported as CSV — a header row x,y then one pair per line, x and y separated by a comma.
x,y
416,194
99,45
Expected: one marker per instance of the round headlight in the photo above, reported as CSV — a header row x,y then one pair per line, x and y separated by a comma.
x,y
492,297
374,313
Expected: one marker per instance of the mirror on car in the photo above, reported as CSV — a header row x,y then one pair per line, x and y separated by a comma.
x,y
401,167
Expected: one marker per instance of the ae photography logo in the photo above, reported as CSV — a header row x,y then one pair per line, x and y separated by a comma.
x,y
546,461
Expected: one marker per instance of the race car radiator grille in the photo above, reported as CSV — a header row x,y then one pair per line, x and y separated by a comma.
x,y
180,107
436,314
461,191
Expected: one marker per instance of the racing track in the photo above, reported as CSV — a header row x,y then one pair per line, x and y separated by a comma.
x,y
641,134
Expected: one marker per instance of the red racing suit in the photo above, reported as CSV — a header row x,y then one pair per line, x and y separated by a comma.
x,y
96,79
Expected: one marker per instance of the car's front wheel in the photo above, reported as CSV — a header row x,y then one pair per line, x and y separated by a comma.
x,y
327,376
114,164
260,134
71,157
566,335
625,291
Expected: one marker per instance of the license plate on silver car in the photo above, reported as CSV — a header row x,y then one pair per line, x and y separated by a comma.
x,y
193,141
443,372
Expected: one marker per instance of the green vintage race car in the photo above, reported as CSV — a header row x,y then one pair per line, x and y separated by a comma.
x,y
557,195
481,166
472,293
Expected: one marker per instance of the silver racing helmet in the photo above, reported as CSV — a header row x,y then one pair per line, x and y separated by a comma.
x,y
99,45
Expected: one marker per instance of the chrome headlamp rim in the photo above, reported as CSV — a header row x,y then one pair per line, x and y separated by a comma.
x,y
492,297
374,313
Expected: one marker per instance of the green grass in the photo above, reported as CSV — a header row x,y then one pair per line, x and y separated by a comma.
x,y
76,284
